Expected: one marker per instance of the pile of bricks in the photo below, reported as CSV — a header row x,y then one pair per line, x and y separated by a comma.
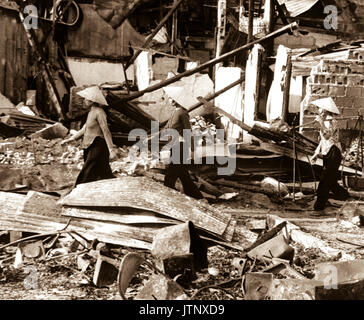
x,y
342,80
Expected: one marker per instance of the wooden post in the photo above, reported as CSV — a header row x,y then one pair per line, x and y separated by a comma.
x,y
46,73
286,90
250,21
174,30
212,62
221,27
151,36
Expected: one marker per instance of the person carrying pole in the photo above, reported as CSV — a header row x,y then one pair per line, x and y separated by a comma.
x,y
330,149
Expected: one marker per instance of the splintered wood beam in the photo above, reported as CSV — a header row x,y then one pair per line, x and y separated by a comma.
x,y
273,35
151,36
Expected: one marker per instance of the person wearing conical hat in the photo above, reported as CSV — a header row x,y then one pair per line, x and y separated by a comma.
x,y
330,149
97,143
177,169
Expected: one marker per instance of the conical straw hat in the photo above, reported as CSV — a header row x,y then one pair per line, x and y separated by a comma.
x,y
326,104
93,94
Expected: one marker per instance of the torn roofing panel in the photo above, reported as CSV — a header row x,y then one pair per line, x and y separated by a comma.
x,y
297,7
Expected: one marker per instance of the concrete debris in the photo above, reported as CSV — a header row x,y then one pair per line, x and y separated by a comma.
x,y
54,131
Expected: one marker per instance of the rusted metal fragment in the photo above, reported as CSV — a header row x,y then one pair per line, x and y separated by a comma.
x,y
257,286
293,289
160,287
181,267
129,265
105,272
353,290
146,194
31,249
180,240
276,247
263,286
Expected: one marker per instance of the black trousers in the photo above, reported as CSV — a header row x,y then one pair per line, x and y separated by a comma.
x,y
96,163
328,179
179,171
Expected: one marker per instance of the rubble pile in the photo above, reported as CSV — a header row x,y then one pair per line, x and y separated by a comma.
x,y
30,152
204,130
353,155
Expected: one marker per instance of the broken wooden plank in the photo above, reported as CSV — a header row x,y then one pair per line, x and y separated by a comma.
x,y
118,215
40,204
10,202
146,194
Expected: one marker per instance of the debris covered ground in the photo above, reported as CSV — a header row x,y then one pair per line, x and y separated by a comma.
x,y
66,269
250,70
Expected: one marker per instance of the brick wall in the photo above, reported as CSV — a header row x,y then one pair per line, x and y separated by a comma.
x,y
343,81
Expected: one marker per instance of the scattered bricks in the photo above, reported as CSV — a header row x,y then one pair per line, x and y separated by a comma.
x,y
359,103
337,91
319,89
105,273
276,247
353,91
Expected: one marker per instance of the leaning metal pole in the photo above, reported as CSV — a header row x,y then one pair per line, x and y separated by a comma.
x,y
277,33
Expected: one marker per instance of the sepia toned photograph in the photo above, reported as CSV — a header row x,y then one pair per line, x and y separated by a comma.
x,y
181,157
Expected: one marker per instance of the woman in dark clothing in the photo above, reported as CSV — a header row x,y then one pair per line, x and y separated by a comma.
x,y
177,169
330,148
97,140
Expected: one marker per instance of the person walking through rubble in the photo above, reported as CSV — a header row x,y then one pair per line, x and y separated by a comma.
x,y
330,149
97,141
179,121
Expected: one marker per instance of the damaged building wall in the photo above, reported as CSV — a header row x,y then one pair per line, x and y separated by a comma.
x,y
343,80
96,38
14,53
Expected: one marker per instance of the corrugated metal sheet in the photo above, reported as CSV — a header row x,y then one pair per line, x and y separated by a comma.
x,y
297,7
14,57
